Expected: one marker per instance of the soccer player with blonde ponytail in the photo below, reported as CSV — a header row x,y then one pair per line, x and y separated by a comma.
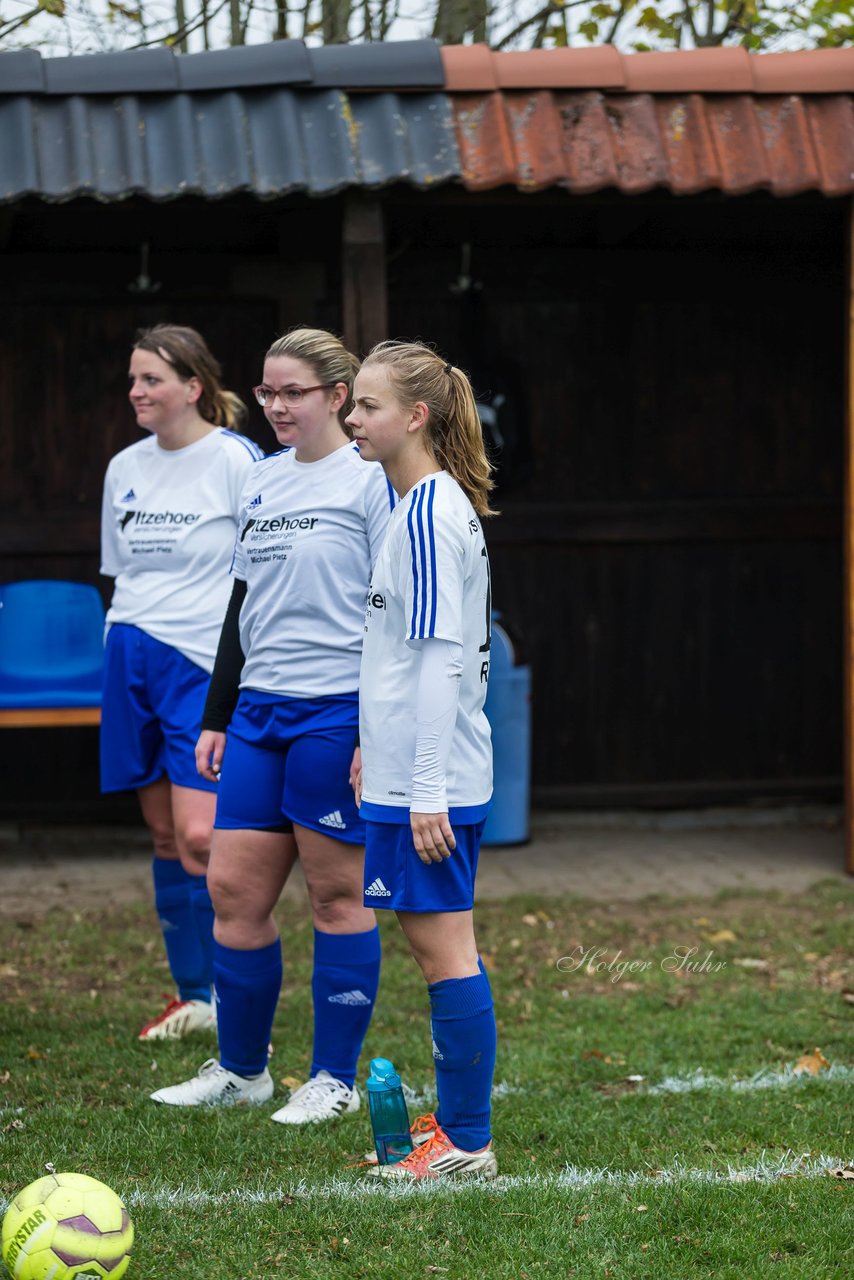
x,y
426,777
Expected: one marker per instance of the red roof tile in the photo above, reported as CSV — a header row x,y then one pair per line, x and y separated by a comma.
x,y
688,121
586,141
600,67
476,68
812,71
690,71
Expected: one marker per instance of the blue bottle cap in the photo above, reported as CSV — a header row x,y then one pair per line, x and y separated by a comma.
x,y
383,1075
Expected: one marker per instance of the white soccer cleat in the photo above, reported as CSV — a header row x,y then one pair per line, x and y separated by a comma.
x,y
320,1098
439,1158
180,1018
216,1087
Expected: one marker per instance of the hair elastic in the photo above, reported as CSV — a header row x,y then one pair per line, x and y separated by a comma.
x,y
448,367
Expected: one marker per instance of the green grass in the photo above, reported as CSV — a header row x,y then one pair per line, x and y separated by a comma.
x,y
74,1085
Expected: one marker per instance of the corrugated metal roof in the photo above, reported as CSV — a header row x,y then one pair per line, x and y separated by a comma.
x,y
281,118
267,142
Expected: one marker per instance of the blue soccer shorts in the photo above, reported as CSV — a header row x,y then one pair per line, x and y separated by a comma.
x,y
396,878
151,713
289,758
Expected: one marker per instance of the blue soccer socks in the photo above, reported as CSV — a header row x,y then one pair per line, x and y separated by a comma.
x,y
247,985
344,987
463,1022
173,899
204,913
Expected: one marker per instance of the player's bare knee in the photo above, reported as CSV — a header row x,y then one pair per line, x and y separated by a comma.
x,y
195,844
342,912
227,896
165,845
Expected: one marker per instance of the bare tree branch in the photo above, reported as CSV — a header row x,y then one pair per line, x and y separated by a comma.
x,y
612,32
535,18
734,20
181,22
247,14
12,25
173,37
688,16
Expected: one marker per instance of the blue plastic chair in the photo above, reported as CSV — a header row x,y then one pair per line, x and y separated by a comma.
x,y
51,644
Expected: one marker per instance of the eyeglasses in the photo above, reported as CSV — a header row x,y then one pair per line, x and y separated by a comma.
x,y
288,395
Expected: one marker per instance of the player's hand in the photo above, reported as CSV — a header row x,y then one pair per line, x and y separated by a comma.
x,y
432,836
356,775
210,750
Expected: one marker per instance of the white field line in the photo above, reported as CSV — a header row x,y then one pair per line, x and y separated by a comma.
x,y
359,1187
765,1079
765,1170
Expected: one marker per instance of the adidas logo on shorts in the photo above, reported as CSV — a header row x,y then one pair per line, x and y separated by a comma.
x,y
256,502
334,820
377,890
130,496
349,997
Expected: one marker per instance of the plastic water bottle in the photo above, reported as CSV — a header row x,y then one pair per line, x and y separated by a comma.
x,y
389,1117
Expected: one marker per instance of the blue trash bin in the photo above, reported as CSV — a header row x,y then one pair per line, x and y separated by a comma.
x,y
508,710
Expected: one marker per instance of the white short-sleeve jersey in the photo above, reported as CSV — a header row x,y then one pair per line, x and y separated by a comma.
x,y
431,579
308,536
168,522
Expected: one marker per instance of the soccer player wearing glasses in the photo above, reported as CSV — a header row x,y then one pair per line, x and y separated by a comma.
x,y
313,518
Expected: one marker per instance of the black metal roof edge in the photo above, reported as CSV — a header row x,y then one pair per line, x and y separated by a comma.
x,y
394,64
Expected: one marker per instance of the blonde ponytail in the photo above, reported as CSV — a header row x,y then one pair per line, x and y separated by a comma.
x,y
454,435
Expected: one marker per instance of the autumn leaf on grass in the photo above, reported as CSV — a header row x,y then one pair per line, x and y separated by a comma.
x,y
848,997
749,962
615,1059
722,935
847,1174
291,1082
810,1063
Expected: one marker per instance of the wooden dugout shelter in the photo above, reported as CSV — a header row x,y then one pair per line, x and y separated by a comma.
x,y
643,260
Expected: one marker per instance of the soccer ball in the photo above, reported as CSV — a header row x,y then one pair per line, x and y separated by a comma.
x,y
67,1225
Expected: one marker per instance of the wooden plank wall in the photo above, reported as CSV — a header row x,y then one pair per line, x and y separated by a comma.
x,y
669,548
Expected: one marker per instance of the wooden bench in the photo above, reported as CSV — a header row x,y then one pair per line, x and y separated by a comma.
x,y
47,717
